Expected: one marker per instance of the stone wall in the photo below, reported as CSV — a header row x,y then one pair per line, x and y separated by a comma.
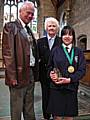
x,y
1,14
83,28
1,28
80,18
45,10
80,10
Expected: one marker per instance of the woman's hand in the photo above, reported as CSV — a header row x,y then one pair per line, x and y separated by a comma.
x,y
53,76
63,80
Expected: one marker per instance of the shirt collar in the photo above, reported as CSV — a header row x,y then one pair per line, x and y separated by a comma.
x,y
50,37
23,24
69,46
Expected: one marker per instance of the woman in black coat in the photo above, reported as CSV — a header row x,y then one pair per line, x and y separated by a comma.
x,y
45,46
67,66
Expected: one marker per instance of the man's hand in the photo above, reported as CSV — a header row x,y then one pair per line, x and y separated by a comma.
x,y
14,82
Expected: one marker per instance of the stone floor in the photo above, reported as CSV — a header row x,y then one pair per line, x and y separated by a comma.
x,y
83,98
4,101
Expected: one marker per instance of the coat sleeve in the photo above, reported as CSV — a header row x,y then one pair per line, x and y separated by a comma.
x,y
8,51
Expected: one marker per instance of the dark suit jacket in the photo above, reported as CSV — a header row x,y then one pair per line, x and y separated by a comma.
x,y
16,54
58,59
44,54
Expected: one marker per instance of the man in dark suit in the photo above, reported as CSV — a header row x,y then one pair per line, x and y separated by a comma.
x,y
45,46
20,58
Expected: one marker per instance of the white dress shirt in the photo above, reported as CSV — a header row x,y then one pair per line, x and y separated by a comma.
x,y
32,58
68,46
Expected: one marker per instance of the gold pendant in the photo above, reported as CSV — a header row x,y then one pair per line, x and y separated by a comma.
x,y
70,69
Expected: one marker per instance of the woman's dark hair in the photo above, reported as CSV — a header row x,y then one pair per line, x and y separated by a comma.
x,y
68,29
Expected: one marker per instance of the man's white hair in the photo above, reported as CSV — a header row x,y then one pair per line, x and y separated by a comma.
x,y
51,19
26,3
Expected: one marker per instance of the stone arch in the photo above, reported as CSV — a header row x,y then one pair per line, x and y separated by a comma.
x,y
62,21
82,42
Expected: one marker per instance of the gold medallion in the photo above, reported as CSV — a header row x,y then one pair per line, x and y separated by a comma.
x,y
70,69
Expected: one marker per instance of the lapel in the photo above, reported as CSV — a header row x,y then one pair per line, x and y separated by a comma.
x,y
45,43
56,42
22,31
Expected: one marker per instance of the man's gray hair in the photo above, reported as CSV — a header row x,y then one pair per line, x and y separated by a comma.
x,y
26,3
51,19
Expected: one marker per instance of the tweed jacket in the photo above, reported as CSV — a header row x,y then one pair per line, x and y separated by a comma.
x,y
16,54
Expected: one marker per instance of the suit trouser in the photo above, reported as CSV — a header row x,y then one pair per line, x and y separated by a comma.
x,y
45,99
22,101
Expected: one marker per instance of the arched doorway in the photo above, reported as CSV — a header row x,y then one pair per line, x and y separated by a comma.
x,y
63,21
82,42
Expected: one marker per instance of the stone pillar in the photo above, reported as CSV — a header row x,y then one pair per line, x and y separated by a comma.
x,y
1,14
1,29
46,9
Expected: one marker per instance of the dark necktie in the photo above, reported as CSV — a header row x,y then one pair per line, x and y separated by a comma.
x,y
67,49
30,34
28,29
